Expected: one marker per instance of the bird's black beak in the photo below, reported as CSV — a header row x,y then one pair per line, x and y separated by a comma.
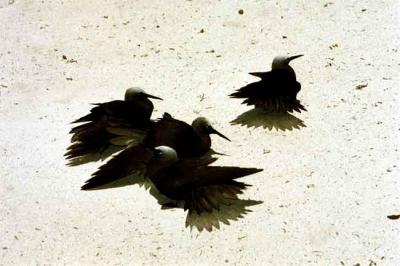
x,y
294,57
213,131
151,96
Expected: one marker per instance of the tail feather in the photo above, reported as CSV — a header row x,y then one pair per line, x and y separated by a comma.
x,y
78,149
238,94
223,174
208,198
86,118
276,105
93,157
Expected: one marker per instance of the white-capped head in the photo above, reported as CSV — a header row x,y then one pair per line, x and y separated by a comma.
x,y
201,123
165,156
202,126
133,92
282,62
137,93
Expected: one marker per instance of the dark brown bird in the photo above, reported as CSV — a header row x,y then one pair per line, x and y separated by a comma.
x,y
189,141
209,193
276,91
110,126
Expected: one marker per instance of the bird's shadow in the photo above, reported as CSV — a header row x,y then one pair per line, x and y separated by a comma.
x,y
268,120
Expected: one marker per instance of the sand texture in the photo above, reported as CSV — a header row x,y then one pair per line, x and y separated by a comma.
x,y
328,183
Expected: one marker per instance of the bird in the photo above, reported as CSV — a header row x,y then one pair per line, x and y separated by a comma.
x,y
208,193
277,89
110,126
189,141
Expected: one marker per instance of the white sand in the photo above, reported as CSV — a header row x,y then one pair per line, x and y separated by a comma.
x,y
327,188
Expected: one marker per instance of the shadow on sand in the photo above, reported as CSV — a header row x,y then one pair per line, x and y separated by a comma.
x,y
267,120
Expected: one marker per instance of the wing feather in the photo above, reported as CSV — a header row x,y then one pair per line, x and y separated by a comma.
x,y
132,160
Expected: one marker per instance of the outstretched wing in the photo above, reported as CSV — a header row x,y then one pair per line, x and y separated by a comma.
x,y
132,160
119,112
113,125
213,196
204,176
110,114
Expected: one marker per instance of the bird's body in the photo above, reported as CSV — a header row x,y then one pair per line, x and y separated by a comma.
x,y
102,127
185,179
189,142
276,91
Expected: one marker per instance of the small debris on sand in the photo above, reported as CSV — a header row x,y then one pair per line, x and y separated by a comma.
x,y
394,217
361,86
333,46
64,57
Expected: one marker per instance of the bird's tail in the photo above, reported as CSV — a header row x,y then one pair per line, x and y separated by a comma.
x,y
277,104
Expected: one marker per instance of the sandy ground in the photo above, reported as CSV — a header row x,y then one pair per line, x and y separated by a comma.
x,y
327,187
